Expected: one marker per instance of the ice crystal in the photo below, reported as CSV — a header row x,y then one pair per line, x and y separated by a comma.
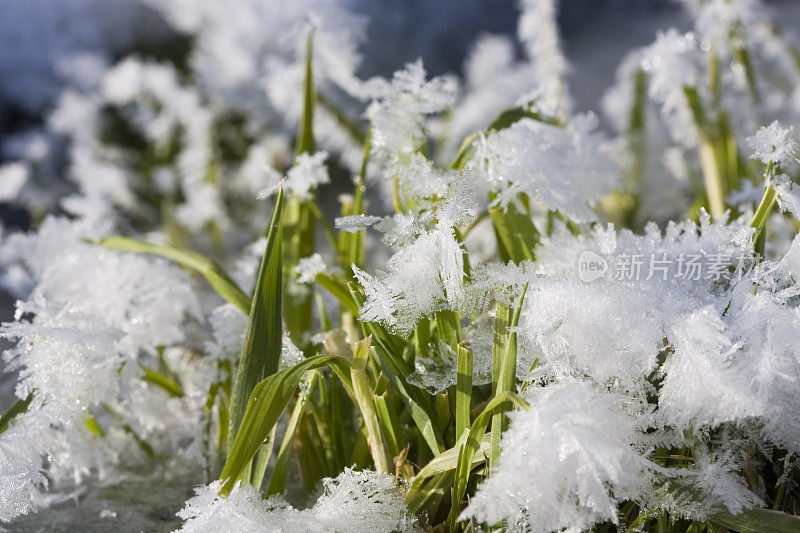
x,y
564,168
307,173
92,344
422,277
398,111
775,143
309,267
354,223
584,463
13,176
538,31
358,501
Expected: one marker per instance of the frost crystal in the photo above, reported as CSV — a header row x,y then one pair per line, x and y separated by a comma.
x,y
775,143
81,349
354,501
397,113
564,168
538,31
307,173
354,223
309,267
565,463
422,277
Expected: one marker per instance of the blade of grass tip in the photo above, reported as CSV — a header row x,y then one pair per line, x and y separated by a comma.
x,y
261,352
363,388
277,483
471,444
209,269
463,389
18,407
265,406
305,133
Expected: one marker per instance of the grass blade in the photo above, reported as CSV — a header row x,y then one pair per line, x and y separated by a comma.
x,y
305,132
363,388
277,483
261,352
516,235
162,381
447,461
265,406
208,268
14,410
471,444
507,373
759,521
463,390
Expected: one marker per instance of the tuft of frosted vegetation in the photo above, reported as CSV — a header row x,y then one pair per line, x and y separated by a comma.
x,y
526,157
584,462
358,501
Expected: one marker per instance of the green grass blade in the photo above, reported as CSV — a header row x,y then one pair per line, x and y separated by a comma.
x,y
502,318
389,424
265,406
14,410
472,443
517,237
411,397
463,390
261,352
758,521
305,133
511,116
506,376
363,388
352,127
426,496
277,483
338,290
209,269
447,461
162,381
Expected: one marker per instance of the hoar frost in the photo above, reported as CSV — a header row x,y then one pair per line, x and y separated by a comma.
x,y
358,501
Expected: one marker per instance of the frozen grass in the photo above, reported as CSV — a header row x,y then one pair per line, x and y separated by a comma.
x,y
523,352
